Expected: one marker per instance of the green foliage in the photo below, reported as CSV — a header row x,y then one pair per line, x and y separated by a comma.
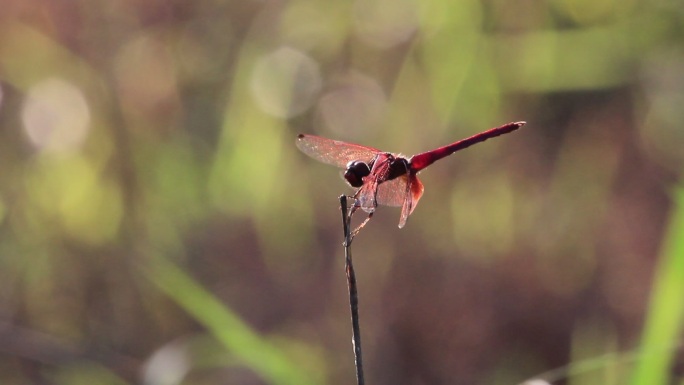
x,y
666,311
150,190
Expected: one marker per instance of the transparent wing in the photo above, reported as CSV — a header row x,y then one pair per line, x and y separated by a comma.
x,y
393,192
413,193
334,152
404,191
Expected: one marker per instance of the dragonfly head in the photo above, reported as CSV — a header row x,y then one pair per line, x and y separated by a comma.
x,y
355,172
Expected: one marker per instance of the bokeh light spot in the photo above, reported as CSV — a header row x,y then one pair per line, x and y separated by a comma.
x,y
69,189
286,82
356,104
56,116
146,79
385,23
167,366
536,382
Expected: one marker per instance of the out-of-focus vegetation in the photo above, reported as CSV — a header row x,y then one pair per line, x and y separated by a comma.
x,y
158,225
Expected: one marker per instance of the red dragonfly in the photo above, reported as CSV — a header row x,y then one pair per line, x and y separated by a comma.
x,y
383,178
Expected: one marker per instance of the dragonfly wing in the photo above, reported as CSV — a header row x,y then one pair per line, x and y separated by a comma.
x,y
393,192
412,193
334,152
369,196
365,197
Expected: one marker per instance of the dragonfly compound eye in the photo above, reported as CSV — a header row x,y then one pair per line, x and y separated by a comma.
x,y
356,171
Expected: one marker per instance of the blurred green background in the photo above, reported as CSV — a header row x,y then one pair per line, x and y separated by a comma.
x,y
159,226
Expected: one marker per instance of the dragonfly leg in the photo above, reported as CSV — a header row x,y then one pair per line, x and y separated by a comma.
x,y
356,231
353,209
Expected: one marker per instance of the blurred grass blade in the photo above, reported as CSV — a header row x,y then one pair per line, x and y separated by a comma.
x,y
242,341
664,318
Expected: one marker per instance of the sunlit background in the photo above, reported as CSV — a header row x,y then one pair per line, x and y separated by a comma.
x,y
158,225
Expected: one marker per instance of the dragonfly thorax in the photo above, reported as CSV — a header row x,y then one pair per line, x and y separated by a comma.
x,y
398,167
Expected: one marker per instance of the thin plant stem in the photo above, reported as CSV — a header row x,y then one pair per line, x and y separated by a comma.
x,y
351,284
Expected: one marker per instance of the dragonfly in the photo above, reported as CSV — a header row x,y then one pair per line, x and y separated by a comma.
x,y
384,178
